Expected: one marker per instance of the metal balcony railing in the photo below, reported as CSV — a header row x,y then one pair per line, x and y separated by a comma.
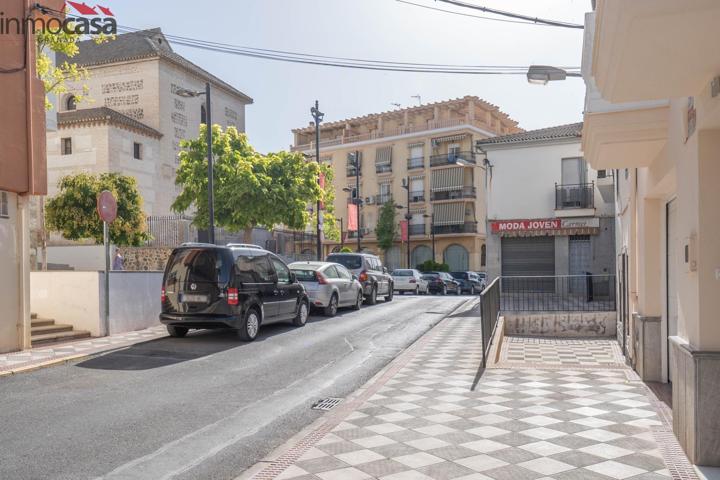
x,y
413,163
464,192
418,196
383,198
561,293
580,195
452,158
384,168
351,172
364,232
467,227
418,229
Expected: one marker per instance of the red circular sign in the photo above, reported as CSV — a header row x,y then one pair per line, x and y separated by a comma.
x,y
107,206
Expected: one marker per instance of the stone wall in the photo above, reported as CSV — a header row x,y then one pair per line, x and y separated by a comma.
x,y
145,258
579,324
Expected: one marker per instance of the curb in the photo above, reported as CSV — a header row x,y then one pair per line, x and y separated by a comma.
x,y
288,453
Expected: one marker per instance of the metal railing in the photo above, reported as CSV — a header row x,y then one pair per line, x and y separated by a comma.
x,y
418,196
413,163
581,195
564,293
489,312
418,229
383,198
452,158
353,172
460,192
170,230
383,168
467,227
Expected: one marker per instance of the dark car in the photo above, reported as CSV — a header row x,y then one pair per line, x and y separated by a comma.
x,y
441,282
374,278
238,287
469,282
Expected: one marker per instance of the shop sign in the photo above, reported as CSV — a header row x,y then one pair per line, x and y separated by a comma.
x,y
543,224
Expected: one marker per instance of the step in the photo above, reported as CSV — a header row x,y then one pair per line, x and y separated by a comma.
x,y
53,328
59,337
42,322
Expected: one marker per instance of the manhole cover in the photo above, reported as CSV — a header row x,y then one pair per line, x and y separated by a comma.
x,y
326,403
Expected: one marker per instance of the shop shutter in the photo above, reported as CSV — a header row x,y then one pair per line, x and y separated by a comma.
x,y
528,256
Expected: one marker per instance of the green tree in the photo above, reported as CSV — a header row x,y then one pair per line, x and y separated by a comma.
x,y
386,229
250,189
72,212
346,250
432,266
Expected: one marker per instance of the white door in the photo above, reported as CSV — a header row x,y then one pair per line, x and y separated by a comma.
x,y
673,246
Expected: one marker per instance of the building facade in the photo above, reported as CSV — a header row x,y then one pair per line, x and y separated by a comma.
x,y
132,120
548,213
652,115
422,157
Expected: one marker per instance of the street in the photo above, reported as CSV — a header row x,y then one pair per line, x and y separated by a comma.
x,y
206,406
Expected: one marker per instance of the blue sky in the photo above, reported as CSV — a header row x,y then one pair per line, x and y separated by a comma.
x,y
372,29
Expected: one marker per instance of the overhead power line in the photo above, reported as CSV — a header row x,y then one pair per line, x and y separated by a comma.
x,y
453,12
553,23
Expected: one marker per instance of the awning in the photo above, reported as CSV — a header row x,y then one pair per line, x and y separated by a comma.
x,y
383,156
447,179
417,177
449,213
417,211
416,144
449,138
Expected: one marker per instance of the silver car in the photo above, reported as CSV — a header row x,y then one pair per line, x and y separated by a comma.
x,y
329,285
409,280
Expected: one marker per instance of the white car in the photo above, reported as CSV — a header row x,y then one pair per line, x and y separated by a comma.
x,y
409,280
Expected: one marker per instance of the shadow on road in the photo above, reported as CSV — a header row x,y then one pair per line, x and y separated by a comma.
x,y
169,351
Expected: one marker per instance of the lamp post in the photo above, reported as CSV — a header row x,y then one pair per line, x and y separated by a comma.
x,y
318,117
432,232
542,74
183,92
408,216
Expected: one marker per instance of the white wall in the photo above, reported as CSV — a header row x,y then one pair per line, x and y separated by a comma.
x,y
134,300
10,278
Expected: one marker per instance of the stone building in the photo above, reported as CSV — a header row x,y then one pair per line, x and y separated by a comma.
x,y
430,148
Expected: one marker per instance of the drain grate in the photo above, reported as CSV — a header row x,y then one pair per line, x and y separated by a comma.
x,y
326,404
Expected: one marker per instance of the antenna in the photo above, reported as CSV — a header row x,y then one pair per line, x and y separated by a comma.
x,y
395,104
418,98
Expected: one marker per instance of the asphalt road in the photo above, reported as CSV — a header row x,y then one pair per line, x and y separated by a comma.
x,y
204,407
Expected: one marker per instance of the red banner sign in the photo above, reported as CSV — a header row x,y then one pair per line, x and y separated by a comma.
x,y
404,230
352,224
526,225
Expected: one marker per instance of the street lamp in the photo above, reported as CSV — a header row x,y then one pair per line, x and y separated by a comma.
x,y
408,216
432,232
542,74
318,117
184,92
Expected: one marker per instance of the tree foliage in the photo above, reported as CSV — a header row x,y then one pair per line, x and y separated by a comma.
x,y
346,250
432,266
72,212
386,229
250,189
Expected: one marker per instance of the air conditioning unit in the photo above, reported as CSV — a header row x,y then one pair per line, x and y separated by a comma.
x,y
369,200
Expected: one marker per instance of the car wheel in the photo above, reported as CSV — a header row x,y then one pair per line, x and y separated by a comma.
x,y
372,298
458,290
332,307
390,294
302,315
444,290
177,332
250,326
417,290
359,301
472,289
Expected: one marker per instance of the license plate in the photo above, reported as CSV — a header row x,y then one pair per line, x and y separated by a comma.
x,y
193,298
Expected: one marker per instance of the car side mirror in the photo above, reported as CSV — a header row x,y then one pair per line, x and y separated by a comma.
x,y
293,277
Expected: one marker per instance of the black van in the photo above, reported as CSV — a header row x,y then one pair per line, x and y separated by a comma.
x,y
236,286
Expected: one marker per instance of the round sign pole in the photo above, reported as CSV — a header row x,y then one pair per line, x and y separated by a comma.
x,y
107,210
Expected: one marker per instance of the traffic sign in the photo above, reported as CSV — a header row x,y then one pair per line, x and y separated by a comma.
x,y
107,206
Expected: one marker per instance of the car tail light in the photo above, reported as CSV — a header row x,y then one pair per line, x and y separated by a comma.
x,y
162,295
322,280
232,296
412,280
363,276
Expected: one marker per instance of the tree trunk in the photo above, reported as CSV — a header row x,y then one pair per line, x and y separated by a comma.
x,y
247,235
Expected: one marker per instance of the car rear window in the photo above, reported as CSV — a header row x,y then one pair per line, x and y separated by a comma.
x,y
402,273
430,276
304,275
460,275
197,265
353,262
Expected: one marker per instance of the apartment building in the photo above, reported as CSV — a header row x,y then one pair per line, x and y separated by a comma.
x,y
422,157
652,114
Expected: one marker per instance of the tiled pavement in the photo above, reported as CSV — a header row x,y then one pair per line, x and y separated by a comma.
x,y
433,416
11,362
554,352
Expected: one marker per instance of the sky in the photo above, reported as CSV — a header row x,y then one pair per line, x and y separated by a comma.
x,y
388,30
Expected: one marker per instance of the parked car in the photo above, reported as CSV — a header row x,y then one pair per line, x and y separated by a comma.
x,y
409,280
469,282
441,282
483,279
374,278
329,285
238,286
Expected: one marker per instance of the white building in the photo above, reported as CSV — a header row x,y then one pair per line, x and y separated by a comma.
x,y
548,213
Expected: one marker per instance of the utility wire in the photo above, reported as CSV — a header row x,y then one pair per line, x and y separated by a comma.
x,y
553,23
521,22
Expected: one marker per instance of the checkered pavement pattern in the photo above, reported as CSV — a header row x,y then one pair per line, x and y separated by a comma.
x,y
36,356
558,352
440,417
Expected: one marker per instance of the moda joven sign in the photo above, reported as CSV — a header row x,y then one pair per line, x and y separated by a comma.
x,y
543,224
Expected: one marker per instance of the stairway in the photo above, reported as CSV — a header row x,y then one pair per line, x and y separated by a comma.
x,y
45,331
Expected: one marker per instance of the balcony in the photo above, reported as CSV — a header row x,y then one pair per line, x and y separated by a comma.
x,y
383,168
467,227
460,193
353,172
418,196
383,198
415,163
364,232
418,229
452,158
579,196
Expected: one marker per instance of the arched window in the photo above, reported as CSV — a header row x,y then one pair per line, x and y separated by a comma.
x,y
70,103
483,255
456,256
203,114
420,254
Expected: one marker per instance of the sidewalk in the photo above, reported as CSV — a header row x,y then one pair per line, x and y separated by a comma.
x,y
562,409
27,360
